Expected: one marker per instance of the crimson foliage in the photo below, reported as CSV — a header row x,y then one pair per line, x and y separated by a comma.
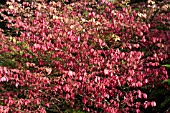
x,y
98,57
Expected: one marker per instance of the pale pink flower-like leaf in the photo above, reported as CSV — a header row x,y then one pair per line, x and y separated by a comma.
x,y
106,71
153,104
71,73
138,111
16,84
103,1
145,105
4,79
145,96
139,94
48,70
67,96
129,79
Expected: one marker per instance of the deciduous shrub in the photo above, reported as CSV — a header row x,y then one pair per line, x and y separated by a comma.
x,y
85,55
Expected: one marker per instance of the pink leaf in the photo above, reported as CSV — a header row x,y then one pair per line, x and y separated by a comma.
x,y
4,79
48,70
153,104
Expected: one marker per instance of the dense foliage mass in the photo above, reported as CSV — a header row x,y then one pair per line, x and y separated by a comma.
x,y
87,56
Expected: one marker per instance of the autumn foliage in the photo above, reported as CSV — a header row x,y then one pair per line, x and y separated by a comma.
x,y
95,57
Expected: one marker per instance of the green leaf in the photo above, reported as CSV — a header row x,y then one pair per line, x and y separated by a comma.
x,y
115,37
26,47
21,53
58,59
167,81
64,48
85,13
14,40
100,7
166,65
166,101
123,61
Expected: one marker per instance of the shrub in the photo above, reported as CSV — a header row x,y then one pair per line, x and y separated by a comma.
x,y
86,56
